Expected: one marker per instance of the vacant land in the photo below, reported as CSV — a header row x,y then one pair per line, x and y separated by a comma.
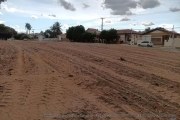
x,y
41,78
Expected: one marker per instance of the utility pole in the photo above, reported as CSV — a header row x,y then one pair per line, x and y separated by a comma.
x,y
102,24
173,36
33,33
131,37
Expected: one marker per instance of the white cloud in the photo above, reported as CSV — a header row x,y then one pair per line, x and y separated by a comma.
x,y
2,21
65,26
17,28
34,17
10,9
1,13
166,25
147,23
123,19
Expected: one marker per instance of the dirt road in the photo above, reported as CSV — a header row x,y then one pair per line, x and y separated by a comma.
x,y
46,80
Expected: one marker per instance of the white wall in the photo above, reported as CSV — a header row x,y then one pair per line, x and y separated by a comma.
x,y
122,38
169,42
40,37
135,38
146,37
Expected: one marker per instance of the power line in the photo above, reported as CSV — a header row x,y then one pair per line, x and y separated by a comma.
x,y
119,16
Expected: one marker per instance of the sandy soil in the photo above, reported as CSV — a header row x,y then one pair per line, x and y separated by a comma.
x,y
39,80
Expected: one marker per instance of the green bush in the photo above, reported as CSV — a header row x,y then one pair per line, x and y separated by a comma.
x,y
21,36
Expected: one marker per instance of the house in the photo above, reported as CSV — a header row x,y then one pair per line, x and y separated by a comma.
x,y
94,31
97,33
159,35
63,38
40,37
128,36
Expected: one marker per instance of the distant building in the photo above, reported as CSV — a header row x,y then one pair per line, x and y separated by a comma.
x,y
159,35
92,30
97,33
41,37
63,38
128,36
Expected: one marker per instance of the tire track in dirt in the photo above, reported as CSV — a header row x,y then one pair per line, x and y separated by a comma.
x,y
7,58
138,59
67,79
37,95
74,60
74,55
148,69
145,57
53,65
79,91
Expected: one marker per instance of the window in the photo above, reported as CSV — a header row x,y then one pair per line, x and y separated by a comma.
x,y
156,39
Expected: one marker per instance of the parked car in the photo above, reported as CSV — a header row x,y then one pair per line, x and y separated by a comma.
x,y
146,43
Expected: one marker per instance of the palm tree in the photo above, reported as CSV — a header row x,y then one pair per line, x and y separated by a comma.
x,y
28,27
56,29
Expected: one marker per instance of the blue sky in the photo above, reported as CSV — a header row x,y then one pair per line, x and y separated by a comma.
x,y
118,14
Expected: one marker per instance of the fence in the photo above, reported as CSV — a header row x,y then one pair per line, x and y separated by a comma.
x,y
168,43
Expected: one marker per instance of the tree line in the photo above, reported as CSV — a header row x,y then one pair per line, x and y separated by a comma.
x,y
55,29
78,34
7,32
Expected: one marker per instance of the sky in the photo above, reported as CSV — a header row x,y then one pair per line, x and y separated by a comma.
x,y
118,14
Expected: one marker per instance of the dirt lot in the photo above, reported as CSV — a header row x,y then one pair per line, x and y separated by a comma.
x,y
39,80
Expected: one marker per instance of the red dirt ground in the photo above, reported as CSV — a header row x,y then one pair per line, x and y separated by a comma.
x,y
40,78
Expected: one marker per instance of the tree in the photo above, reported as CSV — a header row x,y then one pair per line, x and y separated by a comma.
x,y
28,27
42,32
48,34
88,37
77,33
56,29
69,33
109,35
103,34
147,29
7,32
21,36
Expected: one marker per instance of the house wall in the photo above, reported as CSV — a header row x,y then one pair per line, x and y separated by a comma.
x,y
157,37
157,40
168,43
40,37
135,38
146,38
122,38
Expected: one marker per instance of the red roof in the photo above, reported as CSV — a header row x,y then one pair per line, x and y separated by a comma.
x,y
162,29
